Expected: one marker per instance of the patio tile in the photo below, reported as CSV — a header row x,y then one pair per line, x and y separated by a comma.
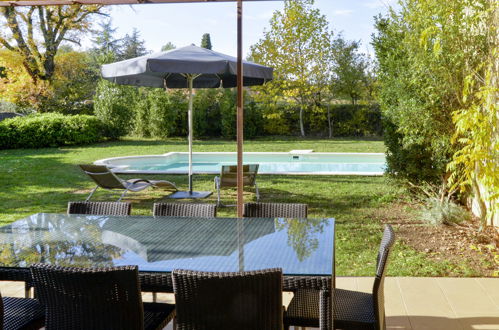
x,y
491,287
467,297
346,283
481,322
365,284
423,296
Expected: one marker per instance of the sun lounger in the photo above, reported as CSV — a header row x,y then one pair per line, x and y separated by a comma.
x,y
108,180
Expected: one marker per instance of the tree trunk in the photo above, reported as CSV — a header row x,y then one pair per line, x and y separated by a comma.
x,y
302,129
330,125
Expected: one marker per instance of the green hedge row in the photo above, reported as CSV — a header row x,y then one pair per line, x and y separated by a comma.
x,y
156,113
50,130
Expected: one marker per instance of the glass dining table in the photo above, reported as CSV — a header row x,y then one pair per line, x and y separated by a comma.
x,y
302,248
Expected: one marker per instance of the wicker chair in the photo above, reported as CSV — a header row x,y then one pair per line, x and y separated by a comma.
x,y
21,313
274,210
185,210
96,298
100,208
352,309
227,301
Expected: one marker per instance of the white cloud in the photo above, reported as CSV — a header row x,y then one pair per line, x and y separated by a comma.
x,y
343,12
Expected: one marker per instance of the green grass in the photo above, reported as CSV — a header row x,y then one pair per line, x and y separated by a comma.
x,y
44,180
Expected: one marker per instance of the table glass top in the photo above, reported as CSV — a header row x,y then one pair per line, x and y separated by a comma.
x,y
298,246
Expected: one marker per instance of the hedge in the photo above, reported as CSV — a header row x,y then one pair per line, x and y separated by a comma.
x,y
50,130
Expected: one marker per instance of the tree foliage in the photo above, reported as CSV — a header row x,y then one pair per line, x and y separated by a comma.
x,y
31,38
206,41
436,68
53,25
168,46
350,78
298,47
132,46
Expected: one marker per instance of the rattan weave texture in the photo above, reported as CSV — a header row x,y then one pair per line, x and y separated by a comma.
x,y
275,210
185,210
96,298
227,301
352,309
21,313
100,208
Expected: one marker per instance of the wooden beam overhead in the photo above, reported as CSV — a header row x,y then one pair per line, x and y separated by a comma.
x,y
16,3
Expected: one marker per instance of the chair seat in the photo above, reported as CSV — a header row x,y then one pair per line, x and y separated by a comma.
x,y
157,315
353,310
22,313
303,309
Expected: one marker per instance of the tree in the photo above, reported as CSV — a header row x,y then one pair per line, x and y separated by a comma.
x,y
206,41
106,47
132,46
52,24
438,90
298,47
168,46
349,71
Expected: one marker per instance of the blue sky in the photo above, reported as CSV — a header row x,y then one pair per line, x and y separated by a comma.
x,y
183,24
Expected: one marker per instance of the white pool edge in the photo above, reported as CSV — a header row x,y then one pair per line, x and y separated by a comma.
x,y
116,169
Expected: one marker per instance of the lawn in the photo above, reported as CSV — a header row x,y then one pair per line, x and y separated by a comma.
x,y
44,180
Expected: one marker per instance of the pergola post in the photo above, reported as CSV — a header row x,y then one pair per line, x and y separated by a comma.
x,y
240,110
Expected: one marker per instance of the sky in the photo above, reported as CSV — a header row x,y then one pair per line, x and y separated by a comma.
x,y
184,24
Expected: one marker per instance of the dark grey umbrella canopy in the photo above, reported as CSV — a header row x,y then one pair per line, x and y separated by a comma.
x,y
154,70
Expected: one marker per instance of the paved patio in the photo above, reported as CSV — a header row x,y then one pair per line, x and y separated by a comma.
x,y
412,302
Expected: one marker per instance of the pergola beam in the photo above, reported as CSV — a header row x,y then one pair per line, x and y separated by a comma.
x,y
16,3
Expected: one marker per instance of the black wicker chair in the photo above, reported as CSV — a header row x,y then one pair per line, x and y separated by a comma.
x,y
96,298
352,309
100,208
21,313
185,210
228,301
274,210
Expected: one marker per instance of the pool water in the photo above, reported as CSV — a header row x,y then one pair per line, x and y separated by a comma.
x,y
270,163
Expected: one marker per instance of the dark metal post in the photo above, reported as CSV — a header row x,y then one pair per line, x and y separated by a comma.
x,y
240,110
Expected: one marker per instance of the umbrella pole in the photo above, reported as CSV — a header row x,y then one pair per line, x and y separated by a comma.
x,y
190,80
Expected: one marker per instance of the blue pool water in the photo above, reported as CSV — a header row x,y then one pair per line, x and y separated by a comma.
x,y
270,163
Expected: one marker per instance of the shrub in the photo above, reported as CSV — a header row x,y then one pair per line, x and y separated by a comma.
x,y
167,113
438,211
207,116
409,161
253,121
115,106
50,130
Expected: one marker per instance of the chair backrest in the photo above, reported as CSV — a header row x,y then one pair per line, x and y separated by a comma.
x,y
185,210
86,298
103,176
275,210
228,175
379,281
227,301
100,208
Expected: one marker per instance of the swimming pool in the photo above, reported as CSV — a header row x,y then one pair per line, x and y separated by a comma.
x,y
311,163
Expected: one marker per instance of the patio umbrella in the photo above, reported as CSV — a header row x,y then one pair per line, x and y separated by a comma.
x,y
187,67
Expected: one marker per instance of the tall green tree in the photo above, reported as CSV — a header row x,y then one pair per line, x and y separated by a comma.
x,y
132,46
168,46
298,47
106,47
206,41
349,70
